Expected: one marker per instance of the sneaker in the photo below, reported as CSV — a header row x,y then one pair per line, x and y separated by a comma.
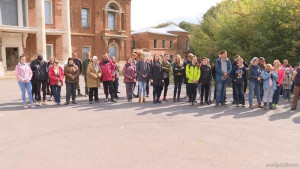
x,y
207,103
106,100
73,102
32,106
67,103
237,105
39,104
165,99
201,103
25,106
158,101
217,104
223,104
91,102
50,98
154,102
113,100
58,104
45,103
97,101
243,105
286,101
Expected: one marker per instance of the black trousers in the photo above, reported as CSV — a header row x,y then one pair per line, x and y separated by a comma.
x,y
33,84
39,85
233,91
205,90
157,92
147,88
71,91
93,93
166,86
192,91
177,85
109,88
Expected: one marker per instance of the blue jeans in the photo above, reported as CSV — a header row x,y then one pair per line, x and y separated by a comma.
x,y
221,91
56,93
287,94
26,86
142,88
277,94
199,89
254,86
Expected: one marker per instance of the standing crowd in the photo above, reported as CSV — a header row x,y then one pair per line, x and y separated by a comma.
x,y
266,81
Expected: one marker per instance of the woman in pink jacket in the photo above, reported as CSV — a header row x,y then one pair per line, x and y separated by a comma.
x,y
279,82
24,75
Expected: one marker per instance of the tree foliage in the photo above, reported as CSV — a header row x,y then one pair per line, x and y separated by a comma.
x,y
250,28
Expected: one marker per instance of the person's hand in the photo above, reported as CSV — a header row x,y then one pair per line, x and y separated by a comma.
x,y
163,81
176,68
194,81
114,80
259,78
271,72
83,75
225,75
73,77
144,76
182,68
25,80
151,81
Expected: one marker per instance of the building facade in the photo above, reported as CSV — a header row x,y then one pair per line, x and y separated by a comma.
x,y
59,27
170,39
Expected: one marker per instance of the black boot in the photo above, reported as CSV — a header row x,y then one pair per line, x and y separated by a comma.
x,y
266,106
271,106
78,91
113,100
174,98
106,100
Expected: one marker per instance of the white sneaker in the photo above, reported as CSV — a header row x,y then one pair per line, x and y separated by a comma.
x,y
25,106
39,104
45,103
32,106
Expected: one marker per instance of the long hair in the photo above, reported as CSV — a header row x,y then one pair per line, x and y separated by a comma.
x,y
178,57
159,59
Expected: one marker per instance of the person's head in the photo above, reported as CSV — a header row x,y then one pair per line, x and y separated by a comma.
x,y
104,56
166,57
190,57
95,59
204,61
133,56
142,56
156,58
74,55
287,70
262,60
223,54
178,60
129,61
70,61
22,59
113,59
51,59
237,57
276,63
55,63
88,56
285,62
40,58
255,61
240,62
269,67
194,60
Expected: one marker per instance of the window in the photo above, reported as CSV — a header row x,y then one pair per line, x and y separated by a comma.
x,y
9,12
171,44
186,44
49,51
85,49
133,44
163,44
48,11
85,17
112,17
113,51
155,43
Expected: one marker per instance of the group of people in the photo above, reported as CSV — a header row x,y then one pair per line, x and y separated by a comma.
x,y
265,81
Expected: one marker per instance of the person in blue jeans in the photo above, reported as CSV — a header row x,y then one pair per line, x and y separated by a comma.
x,y
223,70
24,75
254,83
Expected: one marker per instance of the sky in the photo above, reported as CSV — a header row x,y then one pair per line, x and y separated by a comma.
x,y
148,13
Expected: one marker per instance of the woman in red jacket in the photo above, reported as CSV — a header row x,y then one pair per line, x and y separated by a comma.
x,y
279,82
56,75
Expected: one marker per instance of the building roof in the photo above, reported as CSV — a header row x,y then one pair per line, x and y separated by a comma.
x,y
161,31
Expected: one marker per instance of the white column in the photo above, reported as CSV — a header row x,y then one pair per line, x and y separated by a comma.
x,y
67,47
40,24
20,13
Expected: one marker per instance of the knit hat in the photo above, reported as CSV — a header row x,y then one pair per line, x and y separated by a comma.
x,y
287,69
95,57
253,60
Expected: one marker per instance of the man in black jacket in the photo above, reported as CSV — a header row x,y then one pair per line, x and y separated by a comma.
x,y
41,77
33,83
205,80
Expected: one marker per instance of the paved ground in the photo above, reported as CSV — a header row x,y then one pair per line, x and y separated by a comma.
x,y
144,136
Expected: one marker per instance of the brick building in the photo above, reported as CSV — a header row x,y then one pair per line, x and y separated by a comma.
x,y
170,39
60,27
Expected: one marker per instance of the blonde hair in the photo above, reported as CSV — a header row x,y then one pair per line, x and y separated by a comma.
x,y
269,67
178,57
277,61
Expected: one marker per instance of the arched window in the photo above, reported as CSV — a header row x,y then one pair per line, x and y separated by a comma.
x,y
112,17
113,51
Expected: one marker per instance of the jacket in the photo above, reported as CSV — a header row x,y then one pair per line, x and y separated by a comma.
x,y
297,77
280,74
219,72
206,75
288,81
20,72
254,73
78,63
192,72
129,72
41,71
85,65
265,75
180,71
93,77
166,67
72,71
108,70
157,74
235,74
55,77
143,68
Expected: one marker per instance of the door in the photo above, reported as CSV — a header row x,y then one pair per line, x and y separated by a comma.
x,y
11,58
